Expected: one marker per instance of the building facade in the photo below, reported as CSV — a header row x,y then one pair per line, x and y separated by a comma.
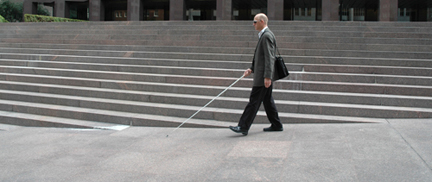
x,y
193,10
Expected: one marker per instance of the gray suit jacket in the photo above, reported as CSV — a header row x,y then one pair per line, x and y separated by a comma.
x,y
264,58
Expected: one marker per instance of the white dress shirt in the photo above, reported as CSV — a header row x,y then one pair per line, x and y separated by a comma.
x,y
261,32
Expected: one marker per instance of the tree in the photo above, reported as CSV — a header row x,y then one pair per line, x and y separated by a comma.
x,y
12,12
41,10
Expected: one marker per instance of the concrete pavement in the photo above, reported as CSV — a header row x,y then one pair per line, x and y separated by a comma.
x,y
397,150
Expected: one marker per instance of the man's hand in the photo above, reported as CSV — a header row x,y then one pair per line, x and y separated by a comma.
x,y
267,82
247,72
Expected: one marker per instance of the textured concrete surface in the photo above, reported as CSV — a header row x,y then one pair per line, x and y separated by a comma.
x,y
397,150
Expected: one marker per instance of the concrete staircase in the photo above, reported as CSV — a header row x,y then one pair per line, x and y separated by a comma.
x,y
106,74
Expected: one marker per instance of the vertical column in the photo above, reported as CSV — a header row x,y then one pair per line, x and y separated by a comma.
x,y
29,7
388,10
223,9
133,10
67,10
177,11
95,7
59,8
275,9
330,10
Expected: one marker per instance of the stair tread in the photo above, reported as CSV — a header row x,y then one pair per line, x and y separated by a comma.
x,y
193,51
203,96
65,121
209,98
121,72
191,121
210,78
116,113
213,60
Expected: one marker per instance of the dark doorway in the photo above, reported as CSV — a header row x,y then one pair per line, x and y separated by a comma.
x,y
303,10
247,9
77,10
415,10
359,10
200,10
115,10
155,10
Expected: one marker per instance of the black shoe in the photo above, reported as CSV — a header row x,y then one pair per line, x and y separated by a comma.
x,y
237,129
273,129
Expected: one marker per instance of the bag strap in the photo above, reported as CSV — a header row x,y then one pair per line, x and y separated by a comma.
x,y
275,44
253,60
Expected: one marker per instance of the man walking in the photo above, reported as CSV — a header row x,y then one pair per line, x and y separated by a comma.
x,y
263,69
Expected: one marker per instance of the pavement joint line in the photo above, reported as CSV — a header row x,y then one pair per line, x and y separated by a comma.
x,y
409,144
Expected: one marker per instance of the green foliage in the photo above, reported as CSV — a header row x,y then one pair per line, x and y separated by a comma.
x,y
12,12
2,20
41,10
41,18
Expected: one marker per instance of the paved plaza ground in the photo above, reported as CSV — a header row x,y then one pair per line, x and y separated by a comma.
x,y
397,150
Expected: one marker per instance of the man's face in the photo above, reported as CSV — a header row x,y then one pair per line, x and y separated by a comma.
x,y
258,24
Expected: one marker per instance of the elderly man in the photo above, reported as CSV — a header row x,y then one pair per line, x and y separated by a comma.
x,y
263,69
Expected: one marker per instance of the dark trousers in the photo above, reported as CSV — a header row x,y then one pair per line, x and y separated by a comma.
x,y
258,95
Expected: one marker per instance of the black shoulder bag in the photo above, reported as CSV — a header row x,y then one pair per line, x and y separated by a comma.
x,y
279,66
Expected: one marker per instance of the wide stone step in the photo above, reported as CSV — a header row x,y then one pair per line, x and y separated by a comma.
x,y
358,61
225,49
181,110
116,48
235,25
211,65
244,59
32,120
201,85
135,42
79,33
361,69
106,116
134,63
132,54
228,100
143,119
136,119
220,41
155,73
111,71
205,40
222,56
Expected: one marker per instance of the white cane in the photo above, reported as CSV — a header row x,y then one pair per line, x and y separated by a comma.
x,y
207,104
